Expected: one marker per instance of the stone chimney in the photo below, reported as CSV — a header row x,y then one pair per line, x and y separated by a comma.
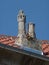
x,y
21,18
31,30
21,37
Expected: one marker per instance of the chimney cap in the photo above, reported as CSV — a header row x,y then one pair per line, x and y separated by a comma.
x,y
21,12
31,23
21,16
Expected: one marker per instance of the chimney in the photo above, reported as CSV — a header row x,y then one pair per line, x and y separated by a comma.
x,y
31,30
21,38
21,18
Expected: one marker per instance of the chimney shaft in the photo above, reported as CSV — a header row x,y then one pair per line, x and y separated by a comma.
x,y
31,30
21,18
21,41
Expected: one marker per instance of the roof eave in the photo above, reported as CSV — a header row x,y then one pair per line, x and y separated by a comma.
x,y
18,50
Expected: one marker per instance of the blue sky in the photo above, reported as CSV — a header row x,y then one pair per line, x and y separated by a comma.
x,y
37,11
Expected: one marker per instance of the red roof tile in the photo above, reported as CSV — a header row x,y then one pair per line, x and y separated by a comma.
x,y
45,47
10,40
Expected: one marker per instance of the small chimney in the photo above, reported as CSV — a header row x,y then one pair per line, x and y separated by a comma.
x,y
31,30
21,18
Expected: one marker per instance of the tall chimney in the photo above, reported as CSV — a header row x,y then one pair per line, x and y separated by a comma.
x,y
21,38
21,18
31,30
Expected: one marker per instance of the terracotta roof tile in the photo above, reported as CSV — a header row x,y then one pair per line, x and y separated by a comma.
x,y
45,47
10,40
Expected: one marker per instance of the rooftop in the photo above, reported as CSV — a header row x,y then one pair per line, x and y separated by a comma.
x,y
10,40
25,42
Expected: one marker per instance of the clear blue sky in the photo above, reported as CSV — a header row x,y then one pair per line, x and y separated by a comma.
x,y
37,11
